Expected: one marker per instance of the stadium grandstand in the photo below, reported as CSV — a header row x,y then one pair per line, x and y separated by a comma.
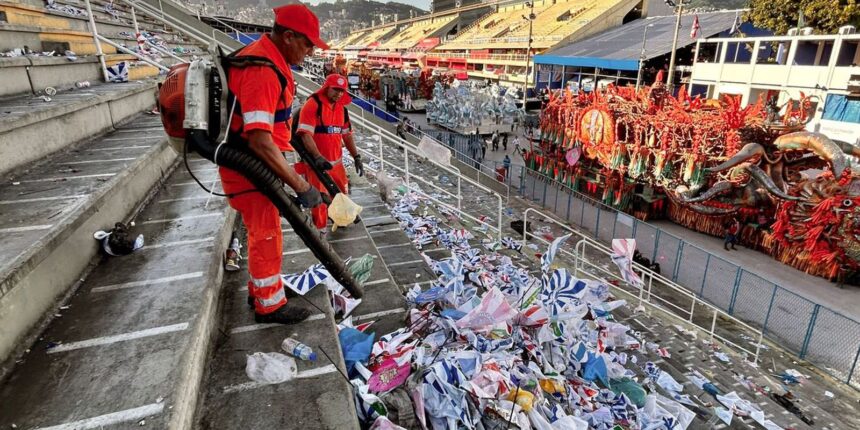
x,y
488,40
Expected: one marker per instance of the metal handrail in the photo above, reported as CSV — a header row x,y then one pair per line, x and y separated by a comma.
x,y
400,143
650,275
182,27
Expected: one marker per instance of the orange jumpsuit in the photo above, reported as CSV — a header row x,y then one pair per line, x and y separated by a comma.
x,y
262,104
327,129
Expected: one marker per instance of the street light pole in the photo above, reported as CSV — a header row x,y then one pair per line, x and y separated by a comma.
x,y
642,57
531,18
680,8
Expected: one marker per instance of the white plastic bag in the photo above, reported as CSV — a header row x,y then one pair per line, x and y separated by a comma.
x,y
434,151
270,368
388,186
342,211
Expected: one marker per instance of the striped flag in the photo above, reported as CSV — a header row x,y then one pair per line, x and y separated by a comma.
x,y
303,282
694,32
118,72
622,256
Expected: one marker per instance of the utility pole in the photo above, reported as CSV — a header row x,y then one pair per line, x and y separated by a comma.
x,y
531,19
642,57
679,6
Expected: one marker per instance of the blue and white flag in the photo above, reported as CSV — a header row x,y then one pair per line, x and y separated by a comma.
x,y
303,282
118,72
546,259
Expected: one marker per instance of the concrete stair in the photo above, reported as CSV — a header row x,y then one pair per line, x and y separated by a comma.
x,y
320,398
30,23
131,342
70,117
50,210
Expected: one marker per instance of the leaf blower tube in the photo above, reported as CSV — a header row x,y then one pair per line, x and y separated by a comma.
x,y
199,90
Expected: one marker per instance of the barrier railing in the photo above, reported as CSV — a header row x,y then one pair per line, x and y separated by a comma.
x,y
409,175
646,293
814,332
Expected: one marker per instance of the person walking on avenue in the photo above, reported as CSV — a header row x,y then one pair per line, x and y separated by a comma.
x,y
732,228
401,129
263,97
324,122
505,142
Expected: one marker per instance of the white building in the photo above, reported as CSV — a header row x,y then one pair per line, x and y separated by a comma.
x,y
825,66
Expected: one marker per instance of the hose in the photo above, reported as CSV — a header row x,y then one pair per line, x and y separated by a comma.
x,y
270,185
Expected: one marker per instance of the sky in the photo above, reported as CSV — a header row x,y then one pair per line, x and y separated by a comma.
x,y
423,4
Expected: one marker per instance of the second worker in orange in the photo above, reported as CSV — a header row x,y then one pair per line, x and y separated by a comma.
x,y
324,123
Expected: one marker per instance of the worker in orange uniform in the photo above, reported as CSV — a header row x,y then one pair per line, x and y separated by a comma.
x,y
262,97
324,122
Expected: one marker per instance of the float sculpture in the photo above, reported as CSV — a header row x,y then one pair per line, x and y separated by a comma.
x,y
708,161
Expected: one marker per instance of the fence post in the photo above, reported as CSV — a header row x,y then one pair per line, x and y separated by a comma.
x,y
581,212
705,275
567,214
735,291
635,224
597,223
854,365
656,245
543,199
809,329
615,225
677,261
769,308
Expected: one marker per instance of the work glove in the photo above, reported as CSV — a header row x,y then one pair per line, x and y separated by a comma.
x,y
322,163
359,167
310,198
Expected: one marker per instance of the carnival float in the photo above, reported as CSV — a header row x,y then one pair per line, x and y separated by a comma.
x,y
701,163
465,107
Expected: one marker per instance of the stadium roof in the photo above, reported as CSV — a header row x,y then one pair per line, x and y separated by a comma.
x,y
619,48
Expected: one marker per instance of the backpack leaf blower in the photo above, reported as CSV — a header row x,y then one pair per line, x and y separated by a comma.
x,y
193,105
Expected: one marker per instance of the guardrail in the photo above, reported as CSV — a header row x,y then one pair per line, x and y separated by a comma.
x,y
409,149
646,293
824,337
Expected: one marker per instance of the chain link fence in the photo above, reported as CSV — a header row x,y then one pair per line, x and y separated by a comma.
x,y
813,332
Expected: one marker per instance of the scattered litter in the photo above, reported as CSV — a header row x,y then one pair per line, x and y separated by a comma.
x,y
829,394
118,241
298,350
722,356
270,368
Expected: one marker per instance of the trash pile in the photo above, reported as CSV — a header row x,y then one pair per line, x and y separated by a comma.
x,y
66,9
491,346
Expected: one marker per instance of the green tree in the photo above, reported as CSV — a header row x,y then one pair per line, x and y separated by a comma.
x,y
825,16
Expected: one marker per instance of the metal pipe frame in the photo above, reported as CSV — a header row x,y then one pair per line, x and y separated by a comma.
x,y
579,256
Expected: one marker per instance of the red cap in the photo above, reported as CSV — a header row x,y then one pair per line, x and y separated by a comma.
x,y
299,18
335,81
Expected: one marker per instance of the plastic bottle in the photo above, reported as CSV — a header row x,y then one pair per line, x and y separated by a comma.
x,y
298,349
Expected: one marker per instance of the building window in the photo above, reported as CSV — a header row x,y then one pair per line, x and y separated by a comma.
x,y
773,52
709,52
739,52
841,108
813,53
848,53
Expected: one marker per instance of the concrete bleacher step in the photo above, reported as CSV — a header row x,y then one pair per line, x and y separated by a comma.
x,y
320,398
49,212
31,128
129,347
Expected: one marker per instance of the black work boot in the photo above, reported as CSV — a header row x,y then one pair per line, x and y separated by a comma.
x,y
287,314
